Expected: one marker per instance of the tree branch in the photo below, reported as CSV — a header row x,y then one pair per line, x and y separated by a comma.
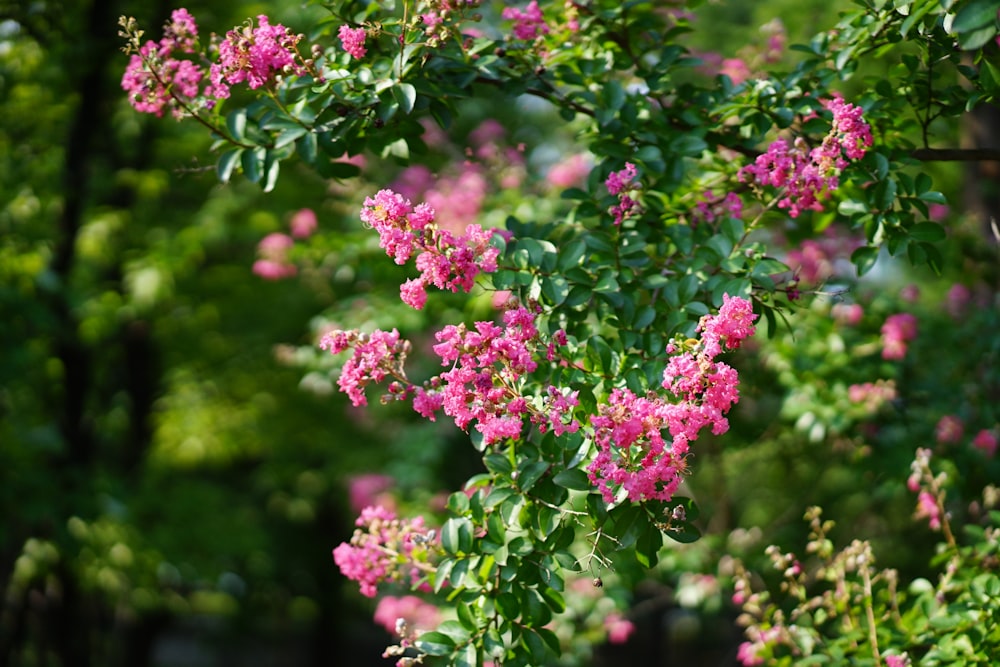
x,y
956,154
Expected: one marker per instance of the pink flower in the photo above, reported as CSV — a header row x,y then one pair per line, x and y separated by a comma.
x,y
910,293
376,356
368,490
847,313
271,270
618,181
897,660
957,300
872,395
736,69
383,549
618,627
272,262
528,24
571,172
275,245
807,175
417,614
255,55
444,261
986,440
897,331
949,430
927,508
303,223
353,41
181,32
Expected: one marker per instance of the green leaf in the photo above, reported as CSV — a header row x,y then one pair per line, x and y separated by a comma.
x,y
933,197
688,144
928,231
456,536
406,96
272,165
286,137
508,606
435,643
606,281
974,16
574,478
530,473
252,161
555,288
571,254
227,162
977,39
236,124
864,259
648,545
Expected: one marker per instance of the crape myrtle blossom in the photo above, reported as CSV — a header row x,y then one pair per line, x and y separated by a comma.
x,y
445,261
413,611
897,331
619,183
986,440
377,355
628,430
528,24
384,549
154,79
949,430
273,262
353,41
255,56
929,490
487,364
806,175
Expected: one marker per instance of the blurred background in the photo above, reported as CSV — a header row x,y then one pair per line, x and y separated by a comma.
x,y
175,461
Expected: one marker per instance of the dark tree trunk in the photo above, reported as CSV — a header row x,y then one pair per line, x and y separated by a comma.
x,y
982,183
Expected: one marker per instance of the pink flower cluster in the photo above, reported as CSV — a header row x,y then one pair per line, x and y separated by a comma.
x,y
628,430
272,262
897,331
927,487
711,208
873,395
619,183
376,356
986,440
255,55
807,175
444,261
528,24
487,366
154,78
618,627
949,430
383,549
414,612
751,653
849,314
353,41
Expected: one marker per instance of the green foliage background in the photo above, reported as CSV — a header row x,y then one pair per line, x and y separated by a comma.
x,y
161,466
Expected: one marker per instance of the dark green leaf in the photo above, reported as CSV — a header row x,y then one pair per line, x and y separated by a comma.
x,y
227,162
573,478
435,643
927,231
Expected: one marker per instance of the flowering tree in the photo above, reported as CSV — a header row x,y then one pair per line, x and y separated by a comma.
x,y
621,282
